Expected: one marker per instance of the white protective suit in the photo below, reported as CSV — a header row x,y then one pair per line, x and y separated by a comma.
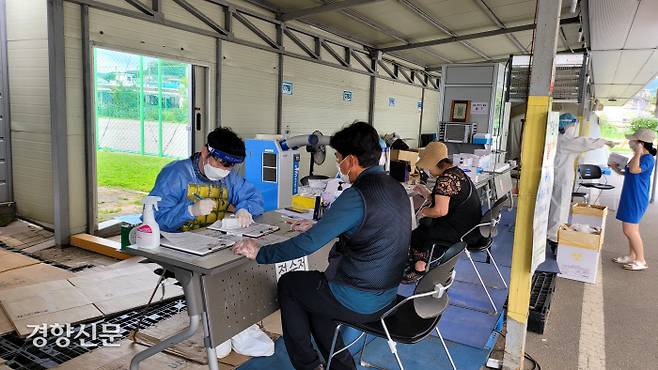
x,y
568,148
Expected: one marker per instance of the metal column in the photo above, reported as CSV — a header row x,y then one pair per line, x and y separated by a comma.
x,y
218,82
59,140
279,95
89,121
6,193
655,170
534,134
373,90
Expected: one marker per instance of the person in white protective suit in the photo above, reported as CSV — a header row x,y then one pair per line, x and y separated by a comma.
x,y
568,147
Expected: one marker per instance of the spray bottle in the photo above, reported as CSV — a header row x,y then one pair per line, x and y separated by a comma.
x,y
147,235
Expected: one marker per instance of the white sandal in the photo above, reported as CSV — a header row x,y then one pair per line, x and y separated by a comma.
x,y
636,266
623,260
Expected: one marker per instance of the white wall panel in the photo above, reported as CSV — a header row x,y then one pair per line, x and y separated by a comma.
x,y
176,13
249,89
119,4
317,103
404,117
431,111
107,30
27,47
75,118
243,33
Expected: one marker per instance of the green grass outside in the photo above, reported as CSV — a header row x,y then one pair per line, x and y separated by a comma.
x,y
128,171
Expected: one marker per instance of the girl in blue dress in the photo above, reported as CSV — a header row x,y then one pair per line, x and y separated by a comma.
x,y
635,195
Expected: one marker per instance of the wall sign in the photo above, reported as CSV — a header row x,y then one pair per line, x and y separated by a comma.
x,y
480,108
347,95
287,88
391,101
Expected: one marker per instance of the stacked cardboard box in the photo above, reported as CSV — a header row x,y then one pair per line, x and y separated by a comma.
x,y
579,252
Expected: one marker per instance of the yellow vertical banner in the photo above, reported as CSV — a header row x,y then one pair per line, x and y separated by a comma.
x,y
532,152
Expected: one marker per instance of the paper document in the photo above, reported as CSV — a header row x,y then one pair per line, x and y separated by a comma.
x,y
253,230
297,216
197,241
276,238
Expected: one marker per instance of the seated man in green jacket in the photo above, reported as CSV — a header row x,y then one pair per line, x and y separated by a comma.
x,y
372,220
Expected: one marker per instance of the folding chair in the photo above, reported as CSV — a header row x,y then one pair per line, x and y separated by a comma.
x,y
415,317
488,230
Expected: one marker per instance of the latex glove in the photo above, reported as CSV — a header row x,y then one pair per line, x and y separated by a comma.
x,y
302,225
202,207
244,217
247,247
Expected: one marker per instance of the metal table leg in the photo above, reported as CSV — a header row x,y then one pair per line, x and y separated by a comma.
x,y
213,363
191,283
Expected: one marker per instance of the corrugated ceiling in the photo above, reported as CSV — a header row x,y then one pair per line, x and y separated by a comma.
x,y
624,36
623,33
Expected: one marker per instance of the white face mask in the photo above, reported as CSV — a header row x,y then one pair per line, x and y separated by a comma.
x,y
570,130
343,177
213,173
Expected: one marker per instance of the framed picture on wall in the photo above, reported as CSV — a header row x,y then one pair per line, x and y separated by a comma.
x,y
460,110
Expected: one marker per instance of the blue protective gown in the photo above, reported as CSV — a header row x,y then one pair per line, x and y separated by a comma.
x,y
180,184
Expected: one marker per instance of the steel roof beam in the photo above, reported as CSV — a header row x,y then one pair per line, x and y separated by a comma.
x,y
327,7
422,13
478,35
140,6
490,13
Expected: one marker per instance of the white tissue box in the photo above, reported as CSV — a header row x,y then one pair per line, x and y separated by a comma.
x,y
578,254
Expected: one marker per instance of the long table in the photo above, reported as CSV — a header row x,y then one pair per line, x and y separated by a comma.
x,y
225,293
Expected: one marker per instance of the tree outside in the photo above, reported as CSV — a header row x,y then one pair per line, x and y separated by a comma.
x,y
618,121
143,117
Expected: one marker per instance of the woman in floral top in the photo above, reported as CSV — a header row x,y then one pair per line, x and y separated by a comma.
x,y
453,209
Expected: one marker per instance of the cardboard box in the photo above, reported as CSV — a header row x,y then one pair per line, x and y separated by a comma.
x,y
589,214
578,254
405,155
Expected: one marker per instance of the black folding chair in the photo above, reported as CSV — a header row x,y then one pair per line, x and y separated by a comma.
x,y
413,318
488,230
587,173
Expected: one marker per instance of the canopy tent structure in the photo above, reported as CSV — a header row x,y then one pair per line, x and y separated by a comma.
x,y
618,35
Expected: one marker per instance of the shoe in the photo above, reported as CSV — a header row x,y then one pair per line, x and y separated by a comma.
x,y
553,245
636,266
412,276
623,260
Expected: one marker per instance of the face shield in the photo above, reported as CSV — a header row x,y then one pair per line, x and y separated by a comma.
x,y
228,161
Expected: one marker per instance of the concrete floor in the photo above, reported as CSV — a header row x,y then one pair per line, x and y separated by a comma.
x,y
627,339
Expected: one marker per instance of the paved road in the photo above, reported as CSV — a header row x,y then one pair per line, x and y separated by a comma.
x,y
628,339
124,134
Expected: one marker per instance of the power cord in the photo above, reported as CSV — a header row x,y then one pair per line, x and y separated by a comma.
x,y
133,334
535,363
